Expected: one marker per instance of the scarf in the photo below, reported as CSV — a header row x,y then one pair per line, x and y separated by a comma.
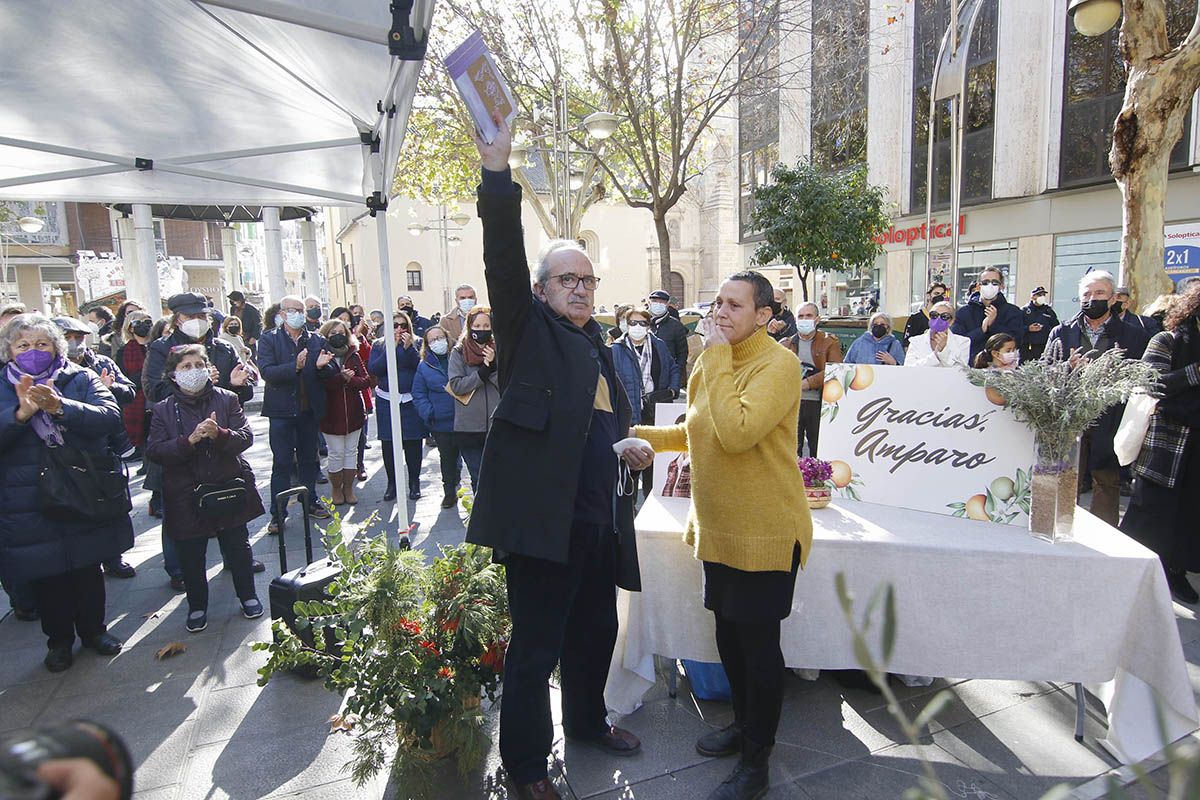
x,y
43,424
645,361
472,352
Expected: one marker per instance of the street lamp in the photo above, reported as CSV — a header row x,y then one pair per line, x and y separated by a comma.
x,y
518,156
31,224
601,124
460,219
448,227
1094,17
27,225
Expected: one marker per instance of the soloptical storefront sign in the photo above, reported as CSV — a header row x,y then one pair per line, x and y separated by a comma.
x,y
925,438
1182,252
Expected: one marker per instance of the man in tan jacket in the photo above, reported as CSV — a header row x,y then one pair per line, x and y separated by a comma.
x,y
452,321
814,349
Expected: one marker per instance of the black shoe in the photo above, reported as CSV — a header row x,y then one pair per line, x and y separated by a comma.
x,y
105,644
318,511
718,744
414,494
750,779
141,470
389,493
27,614
322,478
177,583
119,569
449,501
156,512
257,566
196,621
1182,589
59,659
614,741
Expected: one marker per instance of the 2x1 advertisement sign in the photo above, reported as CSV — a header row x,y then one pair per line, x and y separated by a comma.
x,y
925,438
1181,256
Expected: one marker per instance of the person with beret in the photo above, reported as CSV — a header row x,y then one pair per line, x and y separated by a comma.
x,y
667,327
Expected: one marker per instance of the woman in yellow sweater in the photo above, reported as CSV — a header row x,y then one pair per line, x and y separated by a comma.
x,y
743,403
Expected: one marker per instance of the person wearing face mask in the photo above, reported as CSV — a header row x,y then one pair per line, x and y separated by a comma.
x,y
293,362
452,321
783,324
472,378
670,330
989,314
46,401
435,406
362,332
198,435
647,371
1122,309
877,345
231,332
404,304
620,326
939,346
249,315
312,312
135,336
999,353
918,322
412,430
1091,332
192,325
345,414
1040,319
118,335
815,349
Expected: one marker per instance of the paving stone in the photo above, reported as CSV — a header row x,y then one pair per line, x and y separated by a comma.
x,y
23,704
137,667
286,704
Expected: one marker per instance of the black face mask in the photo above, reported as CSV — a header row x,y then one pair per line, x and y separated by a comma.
x,y
879,331
141,327
338,340
356,321
776,309
936,298
1117,307
408,310
314,312
1094,309
481,337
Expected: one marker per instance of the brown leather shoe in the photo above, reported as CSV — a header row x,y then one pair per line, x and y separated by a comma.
x,y
615,741
542,790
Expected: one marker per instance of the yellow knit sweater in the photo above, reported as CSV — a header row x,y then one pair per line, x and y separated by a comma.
x,y
748,503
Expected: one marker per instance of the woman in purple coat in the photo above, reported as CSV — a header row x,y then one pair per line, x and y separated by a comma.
x,y
197,435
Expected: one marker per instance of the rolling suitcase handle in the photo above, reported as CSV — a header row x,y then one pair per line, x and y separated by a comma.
x,y
280,503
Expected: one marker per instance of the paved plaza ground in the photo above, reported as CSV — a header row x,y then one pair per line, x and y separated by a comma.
x,y
200,727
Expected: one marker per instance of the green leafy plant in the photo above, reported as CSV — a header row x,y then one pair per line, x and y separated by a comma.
x,y
413,645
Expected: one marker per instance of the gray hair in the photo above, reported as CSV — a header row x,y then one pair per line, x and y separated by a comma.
x,y
880,315
30,322
949,306
541,272
1098,275
816,308
294,297
462,286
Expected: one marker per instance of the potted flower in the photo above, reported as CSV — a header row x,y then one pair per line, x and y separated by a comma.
x,y
818,481
413,645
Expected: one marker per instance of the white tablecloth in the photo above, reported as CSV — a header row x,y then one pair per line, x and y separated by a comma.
x,y
973,600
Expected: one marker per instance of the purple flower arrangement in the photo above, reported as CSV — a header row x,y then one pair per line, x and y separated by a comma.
x,y
817,473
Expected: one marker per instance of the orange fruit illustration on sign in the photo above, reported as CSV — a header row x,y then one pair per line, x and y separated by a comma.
x,y
842,475
864,376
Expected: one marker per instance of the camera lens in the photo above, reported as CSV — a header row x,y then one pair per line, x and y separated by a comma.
x,y
22,751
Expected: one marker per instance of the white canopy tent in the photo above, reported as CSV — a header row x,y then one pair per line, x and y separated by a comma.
x,y
255,102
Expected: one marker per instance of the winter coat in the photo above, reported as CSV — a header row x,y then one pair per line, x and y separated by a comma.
x,y
158,386
368,394
1035,341
407,360
549,372
186,466
826,349
251,319
434,404
968,321
916,324
484,382
663,370
864,348
277,365
1176,356
31,545
344,410
123,391
130,358
789,325
675,336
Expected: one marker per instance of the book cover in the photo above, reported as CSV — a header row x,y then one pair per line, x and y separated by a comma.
x,y
481,85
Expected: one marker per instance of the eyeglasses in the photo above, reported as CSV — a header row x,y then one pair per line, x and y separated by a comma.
x,y
946,315
399,325
990,282
570,280
639,324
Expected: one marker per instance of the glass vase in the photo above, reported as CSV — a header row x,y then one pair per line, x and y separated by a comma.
x,y
1054,492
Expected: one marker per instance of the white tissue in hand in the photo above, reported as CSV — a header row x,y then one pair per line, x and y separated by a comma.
x,y
620,447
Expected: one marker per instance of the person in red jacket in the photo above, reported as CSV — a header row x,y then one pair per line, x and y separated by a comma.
x,y
363,332
345,414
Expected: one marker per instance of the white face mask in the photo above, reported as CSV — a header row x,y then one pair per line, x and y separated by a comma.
x,y
195,328
1007,359
440,346
989,292
295,320
1040,300
466,304
638,332
624,326
658,309
806,326
191,380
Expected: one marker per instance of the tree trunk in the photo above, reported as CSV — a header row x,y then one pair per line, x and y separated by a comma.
x,y
803,273
664,252
1158,97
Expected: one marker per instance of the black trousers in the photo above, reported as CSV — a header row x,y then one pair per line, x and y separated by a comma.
x,y
412,460
753,662
810,426
450,460
561,614
193,560
71,603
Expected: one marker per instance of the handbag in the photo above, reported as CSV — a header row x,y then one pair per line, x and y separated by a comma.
x,y
679,477
1135,422
74,486
220,499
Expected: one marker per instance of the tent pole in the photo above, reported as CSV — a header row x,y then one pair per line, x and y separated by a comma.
x,y
91,155
47,177
393,375
230,155
147,258
273,243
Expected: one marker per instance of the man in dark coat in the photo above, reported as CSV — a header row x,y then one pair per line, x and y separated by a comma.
x,y
192,326
1091,332
547,499
250,316
988,314
292,360
670,330
102,318
1122,308
1040,319
404,303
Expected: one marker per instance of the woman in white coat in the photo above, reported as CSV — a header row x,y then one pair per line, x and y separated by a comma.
x,y
938,346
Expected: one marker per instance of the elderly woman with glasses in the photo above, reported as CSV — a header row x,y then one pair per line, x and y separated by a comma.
x,y
939,346
412,430
47,401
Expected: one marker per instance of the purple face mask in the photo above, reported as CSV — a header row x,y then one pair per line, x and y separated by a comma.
x,y
34,362
939,325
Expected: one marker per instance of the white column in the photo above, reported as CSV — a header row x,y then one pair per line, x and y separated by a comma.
x,y
129,257
312,273
233,270
143,229
273,240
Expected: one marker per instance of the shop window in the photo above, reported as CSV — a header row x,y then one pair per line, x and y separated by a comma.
x,y
1075,255
758,103
932,18
413,271
971,261
840,43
